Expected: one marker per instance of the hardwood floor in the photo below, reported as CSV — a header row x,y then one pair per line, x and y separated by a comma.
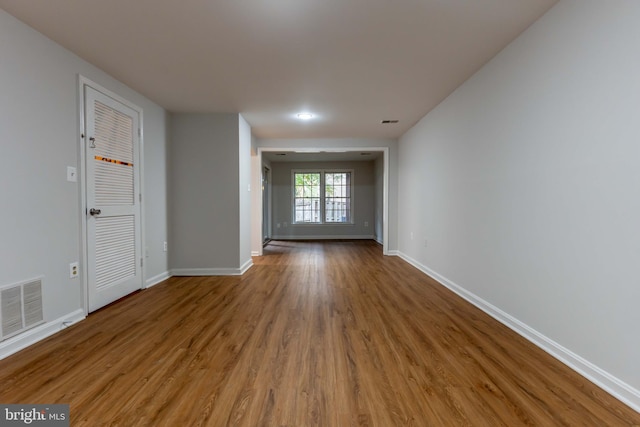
x,y
315,334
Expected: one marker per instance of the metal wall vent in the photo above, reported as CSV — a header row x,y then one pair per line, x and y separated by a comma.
x,y
384,122
20,307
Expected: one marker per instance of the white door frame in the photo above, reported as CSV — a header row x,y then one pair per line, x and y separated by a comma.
x,y
82,177
268,207
385,184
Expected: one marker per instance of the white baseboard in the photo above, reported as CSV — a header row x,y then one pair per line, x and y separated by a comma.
x,y
395,253
152,281
613,385
325,237
246,266
32,336
255,253
212,271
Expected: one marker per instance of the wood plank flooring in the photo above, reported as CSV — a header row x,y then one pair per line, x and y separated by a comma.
x,y
315,334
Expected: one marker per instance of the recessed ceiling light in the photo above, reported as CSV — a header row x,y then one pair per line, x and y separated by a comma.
x,y
305,116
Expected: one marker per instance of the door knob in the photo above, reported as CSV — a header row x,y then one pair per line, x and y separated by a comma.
x,y
94,211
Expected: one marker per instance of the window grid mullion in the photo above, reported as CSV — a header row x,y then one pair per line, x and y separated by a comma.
x,y
322,198
340,200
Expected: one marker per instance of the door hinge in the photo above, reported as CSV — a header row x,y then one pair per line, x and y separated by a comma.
x,y
139,133
140,197
141,262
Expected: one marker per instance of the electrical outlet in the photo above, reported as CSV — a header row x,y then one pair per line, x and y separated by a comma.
x,y
366,223
165,246
74,270
411,235
278,225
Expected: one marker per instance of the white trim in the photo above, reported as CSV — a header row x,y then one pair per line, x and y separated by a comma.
x,y
213,271
82,184
32,336
269,189
246,266
385,203
325,237
394,253
206,272
385,191
152,281
613,385
256,253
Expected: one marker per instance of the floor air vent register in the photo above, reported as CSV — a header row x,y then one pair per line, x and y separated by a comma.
x,y
20,307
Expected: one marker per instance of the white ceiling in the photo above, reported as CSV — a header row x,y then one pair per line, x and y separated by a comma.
x,y
352,63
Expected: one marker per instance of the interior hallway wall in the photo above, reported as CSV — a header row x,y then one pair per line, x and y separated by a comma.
x,y
521,188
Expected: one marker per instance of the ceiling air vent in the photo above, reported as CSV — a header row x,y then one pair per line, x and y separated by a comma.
x,y
386,122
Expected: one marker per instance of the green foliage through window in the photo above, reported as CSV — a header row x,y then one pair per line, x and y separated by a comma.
x,y
322,197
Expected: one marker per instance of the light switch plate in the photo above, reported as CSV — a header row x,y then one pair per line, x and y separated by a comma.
x,y
72,174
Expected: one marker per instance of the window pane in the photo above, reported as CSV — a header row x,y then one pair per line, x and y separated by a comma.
x,y
306,197
338,201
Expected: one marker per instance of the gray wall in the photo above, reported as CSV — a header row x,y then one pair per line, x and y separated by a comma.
x,y
205,201
39,126
363,202
525,184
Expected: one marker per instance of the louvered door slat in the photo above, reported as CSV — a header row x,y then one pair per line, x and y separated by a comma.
x,y
113,133
113,154
113,227
115,250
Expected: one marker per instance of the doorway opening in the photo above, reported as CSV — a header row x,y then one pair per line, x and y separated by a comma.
x,y
263,217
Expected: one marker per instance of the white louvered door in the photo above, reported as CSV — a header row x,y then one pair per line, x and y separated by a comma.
x,y
113,204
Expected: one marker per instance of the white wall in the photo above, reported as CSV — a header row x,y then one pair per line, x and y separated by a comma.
x,y
156,189
39,138
363,202
245,189
525,184
293,144
379,199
